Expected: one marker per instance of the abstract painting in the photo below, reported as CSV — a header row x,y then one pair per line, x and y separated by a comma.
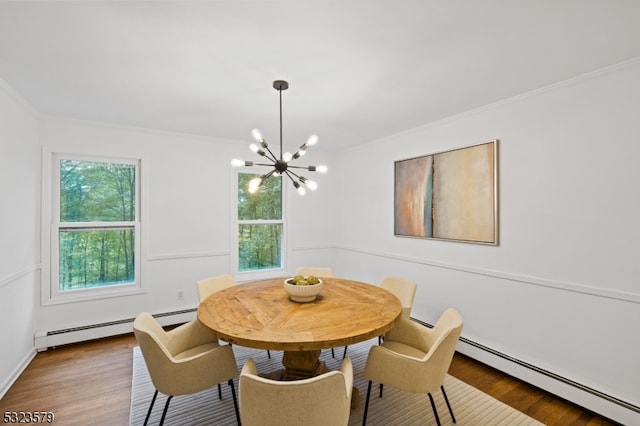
x,y
449,195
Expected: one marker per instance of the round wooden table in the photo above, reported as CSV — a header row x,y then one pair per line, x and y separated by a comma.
x,y
261,315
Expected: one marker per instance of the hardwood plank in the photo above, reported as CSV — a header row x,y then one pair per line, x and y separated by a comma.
x,y
534,402
85,383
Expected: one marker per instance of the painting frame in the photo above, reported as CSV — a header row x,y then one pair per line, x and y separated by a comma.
x,y
449,195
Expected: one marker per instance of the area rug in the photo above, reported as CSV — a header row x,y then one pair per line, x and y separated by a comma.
x,y
470,406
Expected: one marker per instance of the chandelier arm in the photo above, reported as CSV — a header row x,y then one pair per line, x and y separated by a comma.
x,y
268,175
298,167
293,173
273,157
289,173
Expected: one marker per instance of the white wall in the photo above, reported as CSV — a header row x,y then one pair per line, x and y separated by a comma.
x,y
19,233
561,290
186,194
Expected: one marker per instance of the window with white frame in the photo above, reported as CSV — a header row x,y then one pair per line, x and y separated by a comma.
x,y
95,238
260,225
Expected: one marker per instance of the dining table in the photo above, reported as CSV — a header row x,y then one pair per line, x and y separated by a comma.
x,y
261,315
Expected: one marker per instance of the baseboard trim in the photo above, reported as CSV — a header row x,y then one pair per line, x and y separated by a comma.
x,y
594,400
17,371
47,339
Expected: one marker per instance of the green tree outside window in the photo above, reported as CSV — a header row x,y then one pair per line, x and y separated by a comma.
x,y
96,235
260,224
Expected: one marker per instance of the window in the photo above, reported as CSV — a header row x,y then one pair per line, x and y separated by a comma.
x,y
95,230
260,225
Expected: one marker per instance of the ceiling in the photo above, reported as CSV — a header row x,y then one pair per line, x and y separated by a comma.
x,y
358,70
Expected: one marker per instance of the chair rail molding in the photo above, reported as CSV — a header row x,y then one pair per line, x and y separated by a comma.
x,y
186,255
6,281
523,279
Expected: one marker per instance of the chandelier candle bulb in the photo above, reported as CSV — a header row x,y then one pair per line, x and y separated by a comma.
x,y
254,184
257,135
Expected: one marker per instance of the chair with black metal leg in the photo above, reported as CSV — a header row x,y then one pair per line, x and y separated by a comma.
x,y
185,360
414,358
404,290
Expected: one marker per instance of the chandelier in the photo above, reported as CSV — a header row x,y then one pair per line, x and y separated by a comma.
x,y
280,164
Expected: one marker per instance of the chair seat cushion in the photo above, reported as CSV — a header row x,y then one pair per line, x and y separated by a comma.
x,y
196,350
403,349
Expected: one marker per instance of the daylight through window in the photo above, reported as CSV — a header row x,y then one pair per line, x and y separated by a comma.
x,y
97,230
260,224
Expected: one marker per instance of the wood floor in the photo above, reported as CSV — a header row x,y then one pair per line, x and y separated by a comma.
x,y
90,384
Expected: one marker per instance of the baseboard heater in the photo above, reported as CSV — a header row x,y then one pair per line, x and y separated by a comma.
x,y
556,377
53,338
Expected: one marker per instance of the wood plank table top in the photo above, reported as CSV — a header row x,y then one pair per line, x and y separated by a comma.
x,y
261,315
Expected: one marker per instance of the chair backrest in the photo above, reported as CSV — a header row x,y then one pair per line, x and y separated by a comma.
x,y
445,334
184,360
317,401
403,289
210,285
153,342
315,270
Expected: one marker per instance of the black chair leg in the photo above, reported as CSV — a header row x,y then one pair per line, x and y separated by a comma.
x,y
219,391
366,405
235,401
344,354
448,405
268,354
153,401
381,386
333,354
435,411
164,412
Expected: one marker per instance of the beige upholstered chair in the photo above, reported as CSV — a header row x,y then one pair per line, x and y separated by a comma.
x,y
208,286
315,270
403,289
320,400
414,358
185,360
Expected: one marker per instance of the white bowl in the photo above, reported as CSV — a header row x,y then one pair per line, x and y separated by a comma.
x,y
302,293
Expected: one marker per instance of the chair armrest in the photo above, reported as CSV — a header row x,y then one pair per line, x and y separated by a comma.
x,y
195,373
410,333
190,335
250,367
397,370
347,371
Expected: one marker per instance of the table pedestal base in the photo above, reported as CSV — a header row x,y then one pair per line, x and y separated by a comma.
x,y
302,364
